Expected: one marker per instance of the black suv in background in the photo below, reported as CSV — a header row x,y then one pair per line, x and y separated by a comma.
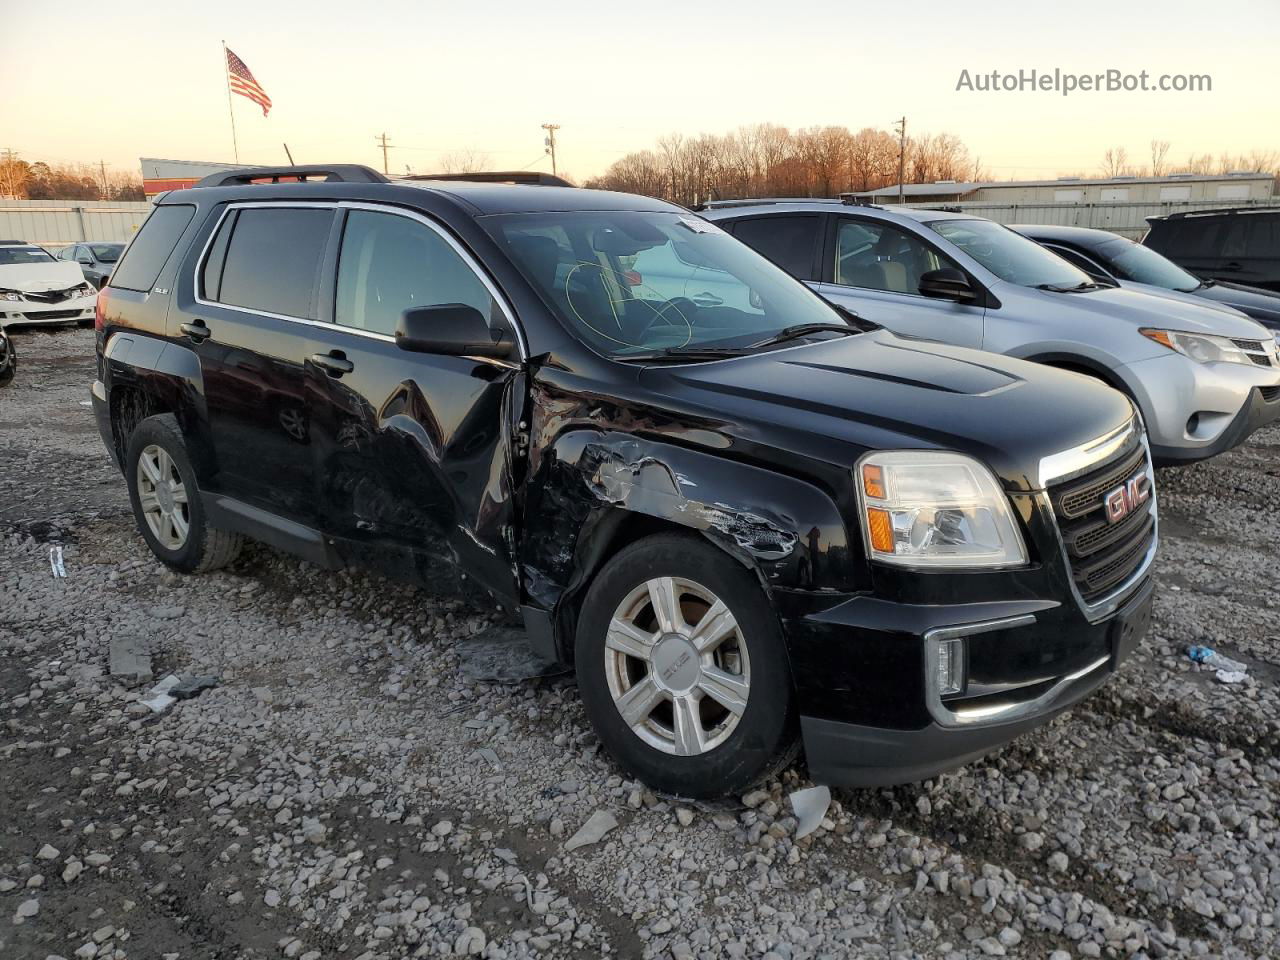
x,y
1239,245
744,516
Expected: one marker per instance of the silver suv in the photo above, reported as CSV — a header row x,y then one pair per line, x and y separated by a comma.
x,y
1203,379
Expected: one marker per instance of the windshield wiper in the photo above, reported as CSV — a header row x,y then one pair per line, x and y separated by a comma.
x,y
1059,288
685,353
796,331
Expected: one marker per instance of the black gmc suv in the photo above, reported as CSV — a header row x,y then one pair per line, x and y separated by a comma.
x,y
747,518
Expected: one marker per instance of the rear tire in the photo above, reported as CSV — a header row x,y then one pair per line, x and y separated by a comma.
x,y
683,641
166,500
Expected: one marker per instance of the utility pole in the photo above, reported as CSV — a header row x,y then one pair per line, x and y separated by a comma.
x,y
382,138
106,193
551,129
902,156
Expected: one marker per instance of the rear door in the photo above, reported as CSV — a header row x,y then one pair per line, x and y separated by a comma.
x,y
250,321
1252,250
874,268
411,452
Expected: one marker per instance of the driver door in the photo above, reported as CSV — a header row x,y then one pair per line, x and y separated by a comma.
x,y
875,270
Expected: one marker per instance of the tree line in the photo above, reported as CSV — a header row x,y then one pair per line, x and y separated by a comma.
x,y
770,160
20,180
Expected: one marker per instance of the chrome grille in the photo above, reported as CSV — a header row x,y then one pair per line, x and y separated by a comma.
x,y
1102,555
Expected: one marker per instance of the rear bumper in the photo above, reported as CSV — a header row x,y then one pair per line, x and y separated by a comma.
x,y
945,733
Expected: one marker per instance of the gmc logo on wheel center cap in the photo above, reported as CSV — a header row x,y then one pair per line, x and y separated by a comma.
x,y
1123,500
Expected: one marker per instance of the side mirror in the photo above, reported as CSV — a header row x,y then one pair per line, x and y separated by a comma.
x,y
452,330
947,284
87,262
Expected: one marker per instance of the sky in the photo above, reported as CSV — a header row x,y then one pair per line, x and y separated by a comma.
x,y
89,81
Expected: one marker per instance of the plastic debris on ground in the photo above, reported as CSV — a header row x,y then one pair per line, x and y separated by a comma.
x,y
161,698
1225,669
810,806
592,831
503,654
55,562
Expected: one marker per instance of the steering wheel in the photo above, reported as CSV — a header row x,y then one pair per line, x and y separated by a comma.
x,y
675,311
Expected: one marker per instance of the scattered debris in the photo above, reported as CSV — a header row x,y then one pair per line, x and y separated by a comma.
x,y
129,658
1226,669
189,687
55,561
810,807
503,654
601,822
161,698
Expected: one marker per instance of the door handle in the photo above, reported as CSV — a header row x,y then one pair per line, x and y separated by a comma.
x,y
335,362
196,330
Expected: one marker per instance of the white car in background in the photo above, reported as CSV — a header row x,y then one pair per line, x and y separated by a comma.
x,y
37,288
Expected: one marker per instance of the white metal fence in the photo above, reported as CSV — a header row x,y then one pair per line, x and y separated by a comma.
x,y
1127,219
55,223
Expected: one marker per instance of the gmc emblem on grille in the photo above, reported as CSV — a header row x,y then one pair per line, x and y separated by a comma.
x,y
1122,501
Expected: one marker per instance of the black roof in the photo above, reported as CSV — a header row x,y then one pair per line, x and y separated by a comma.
x,y
1219,212
1080,236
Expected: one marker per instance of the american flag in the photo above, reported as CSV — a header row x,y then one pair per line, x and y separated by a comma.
x,y
242,82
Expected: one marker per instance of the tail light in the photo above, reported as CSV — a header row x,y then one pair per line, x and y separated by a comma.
x,y
632,279
99,310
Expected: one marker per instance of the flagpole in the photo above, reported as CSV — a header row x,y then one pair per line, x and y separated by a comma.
x,y
230,109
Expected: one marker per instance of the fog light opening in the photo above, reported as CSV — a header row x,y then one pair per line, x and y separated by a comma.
x,y
950,675
1193,423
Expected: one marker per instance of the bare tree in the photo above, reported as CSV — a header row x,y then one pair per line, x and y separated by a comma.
x,y
469,160
14,174
1159,151
1115,162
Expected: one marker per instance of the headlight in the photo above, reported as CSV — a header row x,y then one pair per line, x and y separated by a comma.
x,y
10,295
1198,346
923,508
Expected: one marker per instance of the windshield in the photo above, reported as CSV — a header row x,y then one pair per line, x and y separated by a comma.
x,y
106,252
15,255
628,282
1010,256
1133,261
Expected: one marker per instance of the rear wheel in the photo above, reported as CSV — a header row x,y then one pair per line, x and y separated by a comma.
x,y
682,669
166,500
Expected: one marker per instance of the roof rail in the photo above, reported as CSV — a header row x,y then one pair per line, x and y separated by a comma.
x,y
331,172
1216,211
531,177
854,200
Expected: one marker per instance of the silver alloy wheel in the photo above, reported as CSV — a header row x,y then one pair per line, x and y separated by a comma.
x,y
677,666
163,497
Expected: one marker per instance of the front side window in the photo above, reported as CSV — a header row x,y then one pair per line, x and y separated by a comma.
x,y
389,264
1010,256
10,256
876,256
273,259
1133,261
631,282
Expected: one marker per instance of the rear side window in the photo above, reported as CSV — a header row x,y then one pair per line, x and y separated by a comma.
x,y
151,247
790,242
272,260
1264,236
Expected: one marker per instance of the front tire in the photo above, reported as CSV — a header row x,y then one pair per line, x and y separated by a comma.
x,y
682,669
166,500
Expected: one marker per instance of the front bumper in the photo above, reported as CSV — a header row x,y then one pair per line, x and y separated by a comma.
x,y
1030,660
15,313
1194,411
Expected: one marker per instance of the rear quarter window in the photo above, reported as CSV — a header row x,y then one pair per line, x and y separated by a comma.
x,y
152,247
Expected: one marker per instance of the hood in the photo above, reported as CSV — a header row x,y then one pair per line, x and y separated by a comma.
x,y
39,277
1262,305
1183,296
1141,309
881,391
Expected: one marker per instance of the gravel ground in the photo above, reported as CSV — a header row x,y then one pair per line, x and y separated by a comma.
x,y
344,792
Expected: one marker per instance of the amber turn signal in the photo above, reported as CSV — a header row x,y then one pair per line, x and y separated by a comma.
x,y
881,529
873,481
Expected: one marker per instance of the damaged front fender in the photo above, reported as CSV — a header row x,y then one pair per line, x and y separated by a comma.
x,y
589,483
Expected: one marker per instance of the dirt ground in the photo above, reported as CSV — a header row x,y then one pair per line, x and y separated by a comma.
x,y
345,792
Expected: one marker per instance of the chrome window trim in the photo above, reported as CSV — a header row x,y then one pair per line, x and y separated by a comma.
x,y
470,261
